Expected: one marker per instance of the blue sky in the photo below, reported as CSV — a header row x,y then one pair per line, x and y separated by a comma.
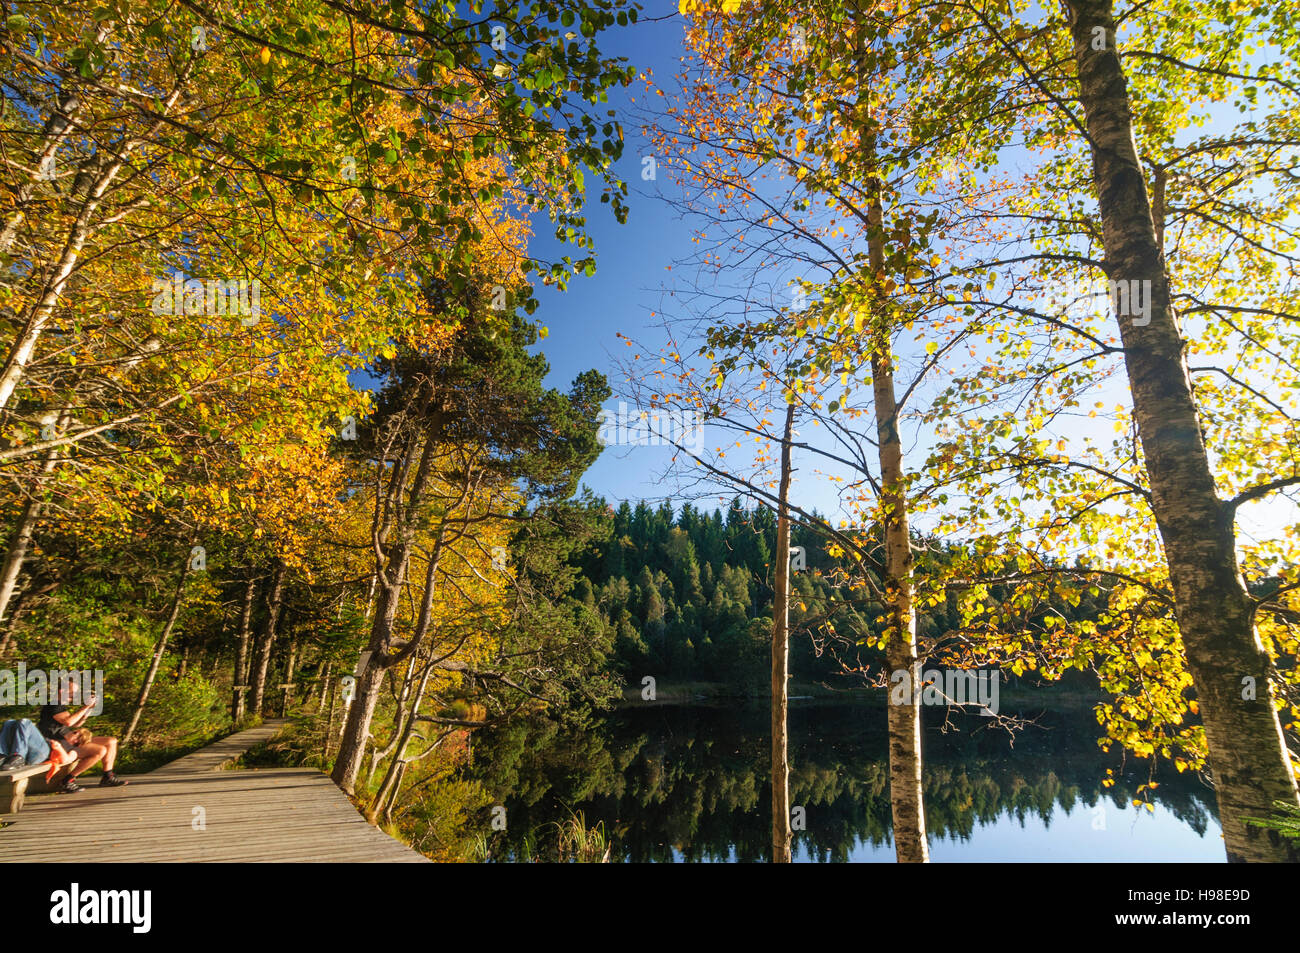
x,y
631,260
632,276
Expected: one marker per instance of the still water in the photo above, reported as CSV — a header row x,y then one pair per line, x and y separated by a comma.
x,y
688,783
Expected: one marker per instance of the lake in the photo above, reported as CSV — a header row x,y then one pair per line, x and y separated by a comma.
x,y
674,783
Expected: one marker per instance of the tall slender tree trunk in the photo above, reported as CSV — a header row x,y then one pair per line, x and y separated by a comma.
x,y
379,754
356,727
390,579
905,790
19,543
904,716
160,648
38,315
7,640
781,836
262,663
324,685
390,802
1248,756
240,688
329,722
21,539
370,594
290,664
54,134
387,793
41,310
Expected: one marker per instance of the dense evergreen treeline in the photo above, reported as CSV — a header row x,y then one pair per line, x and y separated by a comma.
x,y
688,597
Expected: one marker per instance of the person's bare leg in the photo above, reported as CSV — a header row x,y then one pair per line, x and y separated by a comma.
x,y
110,749
88,755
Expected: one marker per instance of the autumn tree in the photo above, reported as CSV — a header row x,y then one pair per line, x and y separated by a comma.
x,y
792,169
470,419
1130,220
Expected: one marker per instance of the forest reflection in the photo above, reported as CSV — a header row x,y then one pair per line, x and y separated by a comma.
x,y
689,783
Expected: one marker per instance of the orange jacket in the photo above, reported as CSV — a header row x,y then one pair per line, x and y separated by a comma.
x,y
58,758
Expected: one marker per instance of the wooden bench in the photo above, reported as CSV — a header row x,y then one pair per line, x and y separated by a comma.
x,y
13,784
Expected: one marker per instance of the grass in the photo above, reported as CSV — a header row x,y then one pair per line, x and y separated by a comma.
x,y
300,745
574,843
580,844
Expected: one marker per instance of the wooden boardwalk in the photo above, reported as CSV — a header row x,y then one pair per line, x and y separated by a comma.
x,y
189,811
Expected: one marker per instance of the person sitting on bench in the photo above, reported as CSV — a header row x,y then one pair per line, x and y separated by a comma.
x,y
21,744
59,724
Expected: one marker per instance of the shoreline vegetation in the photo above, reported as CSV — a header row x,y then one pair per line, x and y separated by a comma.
x,y
952,361
460,828
1014,694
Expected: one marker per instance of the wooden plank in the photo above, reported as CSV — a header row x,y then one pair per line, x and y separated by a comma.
x,y
264,815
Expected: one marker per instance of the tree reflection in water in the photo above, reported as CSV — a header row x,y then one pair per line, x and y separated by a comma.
x,y
689,783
